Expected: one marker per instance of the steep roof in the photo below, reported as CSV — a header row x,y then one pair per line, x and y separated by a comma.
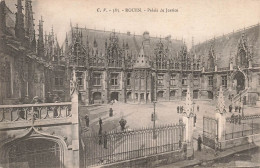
x,y
134,42
226,46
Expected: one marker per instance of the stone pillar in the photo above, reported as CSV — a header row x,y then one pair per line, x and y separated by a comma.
x,y
75,120
221,125
188,118
188,121
221,115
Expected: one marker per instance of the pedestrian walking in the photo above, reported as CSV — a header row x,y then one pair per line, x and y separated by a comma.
x,y
178,109
216,146
110,112
199,143
232,118
236,119
100,126
122,123
198,108
180,144
236,108
195,119
230,108
239,109
100,122
87,120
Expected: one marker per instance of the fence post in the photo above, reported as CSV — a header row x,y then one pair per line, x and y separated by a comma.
x,y
252,126
243,130
232,129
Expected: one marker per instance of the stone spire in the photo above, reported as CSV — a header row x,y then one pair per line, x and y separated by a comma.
x,y
19,23
40,46
2,17
188,103
221,102
29,25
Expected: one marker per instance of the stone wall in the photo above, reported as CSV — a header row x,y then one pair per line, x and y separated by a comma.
x,y
239,141
151,161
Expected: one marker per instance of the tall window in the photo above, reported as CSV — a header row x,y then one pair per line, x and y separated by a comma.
x,y
160,79
184,80
114,79
97,79
58,81
172,80
224,81
128,80
80,81
210,80
196,81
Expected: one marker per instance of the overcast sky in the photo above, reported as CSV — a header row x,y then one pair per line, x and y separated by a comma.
x,y
201,19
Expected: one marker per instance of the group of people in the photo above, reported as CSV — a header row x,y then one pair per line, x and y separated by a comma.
x,y
237,108
236,119
180,109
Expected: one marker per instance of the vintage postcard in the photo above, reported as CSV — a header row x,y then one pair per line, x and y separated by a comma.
x,y
120,83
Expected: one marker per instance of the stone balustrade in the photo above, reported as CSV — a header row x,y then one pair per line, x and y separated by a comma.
x,y
34,112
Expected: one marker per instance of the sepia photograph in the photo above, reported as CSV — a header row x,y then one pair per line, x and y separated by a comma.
x,y
129,83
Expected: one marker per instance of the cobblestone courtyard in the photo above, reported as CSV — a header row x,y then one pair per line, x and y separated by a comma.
x,y
139,115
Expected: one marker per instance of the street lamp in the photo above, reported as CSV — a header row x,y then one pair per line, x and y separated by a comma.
x,y
154,135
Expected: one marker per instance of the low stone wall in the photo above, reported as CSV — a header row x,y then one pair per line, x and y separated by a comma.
x,y
239,141
151,161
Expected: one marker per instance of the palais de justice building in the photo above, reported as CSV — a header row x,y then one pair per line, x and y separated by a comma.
x,y
141,68
123,66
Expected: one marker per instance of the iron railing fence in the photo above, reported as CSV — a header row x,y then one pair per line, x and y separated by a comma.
x,y
249,117
242,133
237,127
117,146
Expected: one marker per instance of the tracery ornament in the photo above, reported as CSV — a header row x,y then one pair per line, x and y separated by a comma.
x,y
243,53
114,52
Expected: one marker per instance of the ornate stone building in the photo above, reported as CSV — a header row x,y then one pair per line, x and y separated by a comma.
x,y
129,67
233,61
123,66
140,68
26,63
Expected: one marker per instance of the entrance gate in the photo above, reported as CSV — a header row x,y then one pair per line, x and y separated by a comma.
x,y
210,131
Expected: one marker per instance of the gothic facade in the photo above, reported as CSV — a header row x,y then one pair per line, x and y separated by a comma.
x,y
123,66
140,68
26,63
